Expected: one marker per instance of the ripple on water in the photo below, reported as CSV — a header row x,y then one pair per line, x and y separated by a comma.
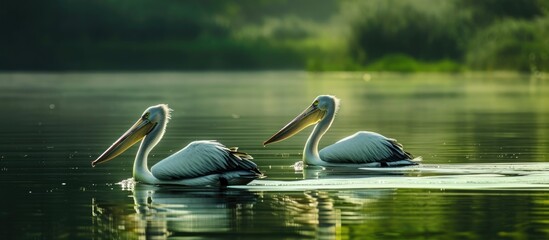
x,y
532,176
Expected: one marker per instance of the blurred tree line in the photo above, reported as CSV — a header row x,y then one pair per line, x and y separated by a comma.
x,y
379,35
449,35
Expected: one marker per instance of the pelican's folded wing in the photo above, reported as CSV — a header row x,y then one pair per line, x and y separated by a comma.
x,y
201,158
364,147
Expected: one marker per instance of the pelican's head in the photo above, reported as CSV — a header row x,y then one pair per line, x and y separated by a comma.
x,y
152,119
312,115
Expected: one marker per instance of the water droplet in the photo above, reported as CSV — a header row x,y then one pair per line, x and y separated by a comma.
x,y
63,184
52,106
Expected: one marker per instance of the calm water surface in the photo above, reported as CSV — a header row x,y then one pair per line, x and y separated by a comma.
x,y
484,139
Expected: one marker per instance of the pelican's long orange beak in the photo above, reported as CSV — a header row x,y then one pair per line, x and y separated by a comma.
x,y
137,132
310,116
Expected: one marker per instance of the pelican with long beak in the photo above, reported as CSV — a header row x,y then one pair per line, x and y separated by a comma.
x,y
363,149
201,163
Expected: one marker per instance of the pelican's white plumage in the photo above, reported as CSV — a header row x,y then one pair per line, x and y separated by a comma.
x,y
362,149
200,163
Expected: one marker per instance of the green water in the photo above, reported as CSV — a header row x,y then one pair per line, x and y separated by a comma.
x,y
53,125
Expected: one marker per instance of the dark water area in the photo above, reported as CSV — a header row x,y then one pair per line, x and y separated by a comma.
x,y
484,139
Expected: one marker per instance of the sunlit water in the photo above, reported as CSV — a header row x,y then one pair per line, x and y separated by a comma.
x,y
484,139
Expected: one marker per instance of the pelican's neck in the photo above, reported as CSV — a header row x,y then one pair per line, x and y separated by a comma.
x,y
310,152
141,172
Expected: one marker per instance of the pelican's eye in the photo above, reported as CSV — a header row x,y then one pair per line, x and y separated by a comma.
x,y
146,115
315,103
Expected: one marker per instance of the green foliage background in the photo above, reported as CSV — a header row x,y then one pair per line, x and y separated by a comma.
x,y
318,35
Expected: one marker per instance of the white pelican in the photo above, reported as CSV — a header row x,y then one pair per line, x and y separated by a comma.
x,y
363,149
201,163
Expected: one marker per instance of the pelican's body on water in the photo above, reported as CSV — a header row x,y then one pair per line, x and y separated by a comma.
x,y
362,149
200,163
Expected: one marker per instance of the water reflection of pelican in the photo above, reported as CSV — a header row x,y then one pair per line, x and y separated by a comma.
x,y
200,163
319,214
162,211
159,212
363,149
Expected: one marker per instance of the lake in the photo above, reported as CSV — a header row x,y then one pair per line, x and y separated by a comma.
x,y
484,139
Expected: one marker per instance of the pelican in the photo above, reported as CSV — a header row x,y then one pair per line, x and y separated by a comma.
x,y
201,163
362,149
